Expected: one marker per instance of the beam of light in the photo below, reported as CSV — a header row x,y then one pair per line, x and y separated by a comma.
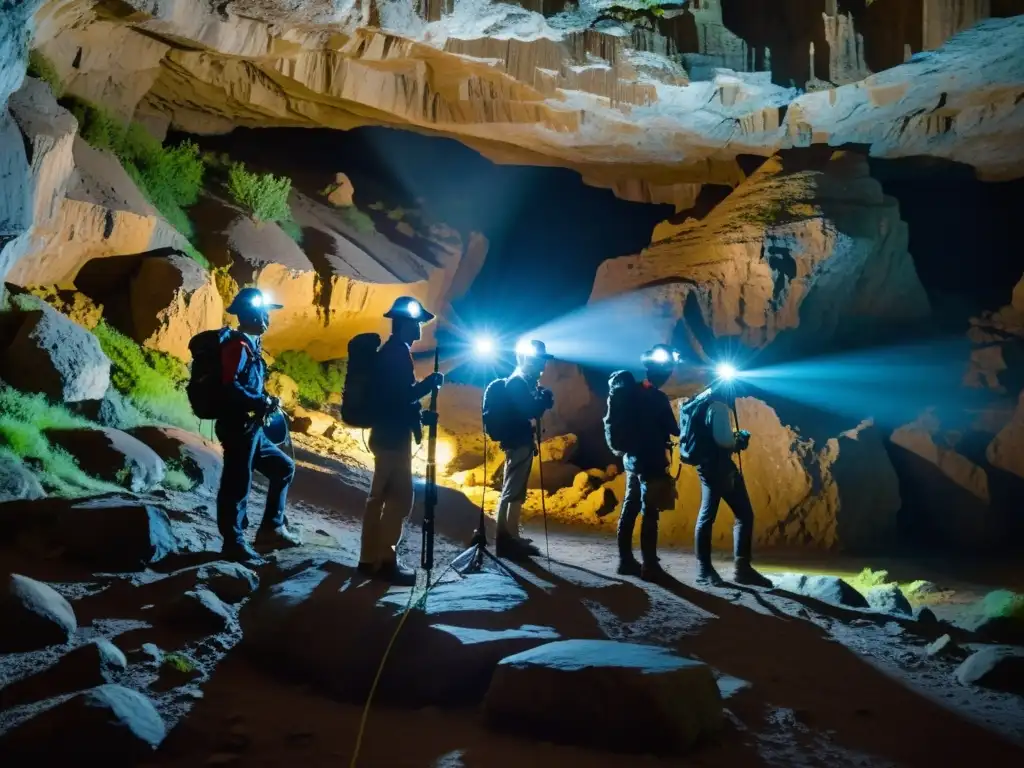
x,y
485,347
257,300
608,334
525,348
894,384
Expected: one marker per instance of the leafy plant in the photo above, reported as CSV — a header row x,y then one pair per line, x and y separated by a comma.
x,y
151,380
315,381
175,479
358,220
171,178
264,195
24,419
40,67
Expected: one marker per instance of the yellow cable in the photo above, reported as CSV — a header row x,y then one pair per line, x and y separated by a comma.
x,y
380,669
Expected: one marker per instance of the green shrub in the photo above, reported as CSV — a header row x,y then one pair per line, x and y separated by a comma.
x,y
263,195
315,381
175,479
24,420
152,381
293,230
42,68
171,178
358,220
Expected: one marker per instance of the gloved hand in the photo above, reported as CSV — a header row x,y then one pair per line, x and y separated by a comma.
x,y
436,379
267,406
742,439
547,398
428,418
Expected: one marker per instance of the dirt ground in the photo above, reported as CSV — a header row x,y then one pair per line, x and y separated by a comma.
x,y
806,683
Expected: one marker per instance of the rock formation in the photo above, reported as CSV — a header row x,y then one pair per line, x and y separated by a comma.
x,y
805,255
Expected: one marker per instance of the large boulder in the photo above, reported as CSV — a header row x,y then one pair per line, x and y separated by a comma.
x,y
829,589
52,355
109,533
199,458
16,481
112,455
161,298
999,668
446,651
109,723
309,422
34,615
95,663
797,254
645,698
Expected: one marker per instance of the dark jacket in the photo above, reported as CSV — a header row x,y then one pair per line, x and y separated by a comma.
x,y
398,396
526,402
243,373
657,425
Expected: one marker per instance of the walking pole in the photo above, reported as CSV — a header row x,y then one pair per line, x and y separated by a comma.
x,y
430,491
543,504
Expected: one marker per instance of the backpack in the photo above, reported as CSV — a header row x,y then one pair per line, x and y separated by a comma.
x,y
496,411
620,418
695,440
358,398
204,388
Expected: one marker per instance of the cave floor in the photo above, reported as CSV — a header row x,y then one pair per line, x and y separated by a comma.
x,y
807,683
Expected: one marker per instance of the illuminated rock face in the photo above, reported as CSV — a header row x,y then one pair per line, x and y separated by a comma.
x,y
651,108
796,254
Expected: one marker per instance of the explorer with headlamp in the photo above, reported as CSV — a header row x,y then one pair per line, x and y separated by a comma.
x,y
708,440
639,426
512,409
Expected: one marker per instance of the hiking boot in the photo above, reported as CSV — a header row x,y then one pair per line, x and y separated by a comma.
x,y
397,574
707,576
629,567
654,573
241,552
512,548
278,538
745,574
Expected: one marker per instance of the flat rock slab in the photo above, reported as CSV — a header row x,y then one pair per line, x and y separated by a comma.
x,y
199,458
109,723
444,654
112,455
96,663
606,695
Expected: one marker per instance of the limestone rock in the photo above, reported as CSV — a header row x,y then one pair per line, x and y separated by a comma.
x,y
646,698
829,589
465,629
109,723
1006,451
95,663
230,582
950,492
201,610
310,422
284,389
112,455
49,130
34,615
110,533
161,298
944,647
889,598
199,458
52,355
341,192
104,214
16,481
799,254
557,474
1001,669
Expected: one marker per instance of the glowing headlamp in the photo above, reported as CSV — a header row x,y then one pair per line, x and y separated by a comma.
x,y
257,301
484,347
526,348
414,309
726,371
660,356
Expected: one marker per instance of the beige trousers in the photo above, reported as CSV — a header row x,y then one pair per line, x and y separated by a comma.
x,y
518,463
387,506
